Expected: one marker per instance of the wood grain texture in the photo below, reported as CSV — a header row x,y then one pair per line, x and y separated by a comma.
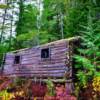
x,y
58,65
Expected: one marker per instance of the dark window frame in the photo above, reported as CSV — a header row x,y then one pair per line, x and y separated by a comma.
x,y
47,49
19,59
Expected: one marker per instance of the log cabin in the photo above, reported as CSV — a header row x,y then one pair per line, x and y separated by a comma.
x,y
52,60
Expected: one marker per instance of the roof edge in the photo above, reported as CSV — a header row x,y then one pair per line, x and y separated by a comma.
x,y
46,44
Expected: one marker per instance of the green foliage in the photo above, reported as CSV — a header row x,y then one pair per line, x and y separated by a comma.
x,y
76,15
51,18
50,87
88,62
26,26
27,22
19,81
3,50
82,78
28,39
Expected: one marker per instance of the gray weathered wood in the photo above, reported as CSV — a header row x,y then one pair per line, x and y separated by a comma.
x,y
31,64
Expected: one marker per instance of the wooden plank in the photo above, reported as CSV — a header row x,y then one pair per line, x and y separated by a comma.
x,y
40,72
7,63
57,53
52,58
36,54
45,68
38,62
37,75
41,66
41,69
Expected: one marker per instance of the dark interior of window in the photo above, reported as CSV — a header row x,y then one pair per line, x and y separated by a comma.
x,y
17,60
45,53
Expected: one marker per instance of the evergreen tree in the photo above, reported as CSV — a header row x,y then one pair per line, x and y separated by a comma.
x,y
53,20
26,29
76,14
88,62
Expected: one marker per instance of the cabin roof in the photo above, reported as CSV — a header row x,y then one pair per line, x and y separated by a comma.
x,y
54,42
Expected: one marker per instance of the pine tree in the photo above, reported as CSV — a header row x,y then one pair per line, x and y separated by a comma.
x,y
88,62
26,30
52,20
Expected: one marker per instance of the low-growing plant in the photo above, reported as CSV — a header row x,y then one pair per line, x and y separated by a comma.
x,y
50,87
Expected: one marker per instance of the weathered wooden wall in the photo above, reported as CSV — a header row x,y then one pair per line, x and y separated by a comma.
x,y
32,65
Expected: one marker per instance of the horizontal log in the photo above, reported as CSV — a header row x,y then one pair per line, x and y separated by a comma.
x,y
10,62
5,66
59,56
40,72
61,53
59,49
38,53
40,59
56,55
41,66
39,62
53,62
9,58
42,69
37,75
7,63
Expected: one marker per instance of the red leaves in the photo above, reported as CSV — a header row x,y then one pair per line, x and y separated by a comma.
x,y
39,90
61,93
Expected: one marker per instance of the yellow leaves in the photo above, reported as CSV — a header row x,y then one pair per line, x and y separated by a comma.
x,y
35,98
3,6
96,84
5,95
85,86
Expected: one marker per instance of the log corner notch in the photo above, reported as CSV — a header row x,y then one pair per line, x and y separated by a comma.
x,y
52,60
